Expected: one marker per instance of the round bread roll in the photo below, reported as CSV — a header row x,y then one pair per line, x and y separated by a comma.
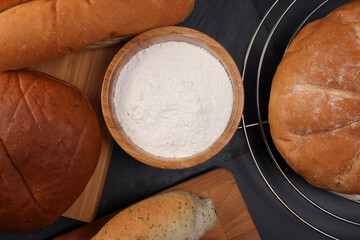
x,y
175,215
49,146
314,107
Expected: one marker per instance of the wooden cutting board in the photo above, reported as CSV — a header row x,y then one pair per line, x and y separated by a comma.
x,y
234,221
86,70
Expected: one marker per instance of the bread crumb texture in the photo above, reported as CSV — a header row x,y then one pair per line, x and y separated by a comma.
x,y
314,107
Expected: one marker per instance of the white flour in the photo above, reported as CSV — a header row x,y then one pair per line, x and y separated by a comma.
x,y
173,99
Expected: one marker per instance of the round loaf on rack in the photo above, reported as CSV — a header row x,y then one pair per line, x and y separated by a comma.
x,y
314,107
49,146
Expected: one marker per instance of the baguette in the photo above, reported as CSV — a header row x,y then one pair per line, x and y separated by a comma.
x,y
174,215
38,31
314,107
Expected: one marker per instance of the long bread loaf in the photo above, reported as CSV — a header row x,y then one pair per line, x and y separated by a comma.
x,y
40,30
174,215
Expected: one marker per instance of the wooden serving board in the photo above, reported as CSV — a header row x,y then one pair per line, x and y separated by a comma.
x,y
86,70
234,221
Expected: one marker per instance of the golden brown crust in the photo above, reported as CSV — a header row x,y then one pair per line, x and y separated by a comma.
x,y
49,146
314,107
40,30
5,4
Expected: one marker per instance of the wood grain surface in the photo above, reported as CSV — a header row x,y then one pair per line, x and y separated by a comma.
x,y
234,221
159,35
86,70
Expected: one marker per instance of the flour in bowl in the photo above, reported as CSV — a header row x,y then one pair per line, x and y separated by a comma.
x,y
173,99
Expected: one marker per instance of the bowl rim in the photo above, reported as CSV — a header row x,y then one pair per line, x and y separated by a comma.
x,y
141,42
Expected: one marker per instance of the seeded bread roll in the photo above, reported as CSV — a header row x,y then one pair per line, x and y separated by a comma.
x,y
174,215
40,30
314,108
49,146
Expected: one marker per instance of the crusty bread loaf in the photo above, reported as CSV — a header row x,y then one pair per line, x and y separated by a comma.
x,y
49,146
314,108
174,215
5,4
37,31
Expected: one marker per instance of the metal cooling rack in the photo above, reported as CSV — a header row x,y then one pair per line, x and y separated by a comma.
x,y
267,38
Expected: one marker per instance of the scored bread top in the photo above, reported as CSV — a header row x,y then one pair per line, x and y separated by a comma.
x,y
49,146
314,107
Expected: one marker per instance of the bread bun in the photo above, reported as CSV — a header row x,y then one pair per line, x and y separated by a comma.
x,y
37,31
174,215
49,146
314,108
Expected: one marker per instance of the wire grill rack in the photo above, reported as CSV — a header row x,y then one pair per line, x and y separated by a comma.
x,y
317,208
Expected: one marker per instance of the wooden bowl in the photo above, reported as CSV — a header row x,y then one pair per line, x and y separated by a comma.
x,y
143,41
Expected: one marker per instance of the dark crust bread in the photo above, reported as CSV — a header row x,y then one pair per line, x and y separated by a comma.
x,y
314,107
49,146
